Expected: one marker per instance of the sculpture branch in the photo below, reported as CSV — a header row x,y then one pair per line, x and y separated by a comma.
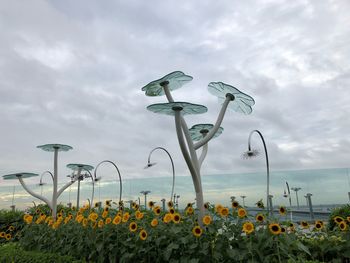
x,y
42,198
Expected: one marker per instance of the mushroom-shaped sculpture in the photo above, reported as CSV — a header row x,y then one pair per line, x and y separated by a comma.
x,y
18,175
198,131
55,147
241,102
173,81
78,167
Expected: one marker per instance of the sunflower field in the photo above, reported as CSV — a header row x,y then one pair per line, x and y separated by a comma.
x,y
224,234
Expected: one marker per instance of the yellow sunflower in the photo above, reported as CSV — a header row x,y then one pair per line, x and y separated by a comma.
x,y
104,214
132,227
260,204
167,218
108,220
150,204
338,219
218,208
283,230
248,227
138,214
206,205
242,212
304,224
85,222
143,234
116,220
171,210
318,225
170,204
224,212
189,205
189,211
343,226
11,228
126,217
259,218
8,236
154,222
97,204
207,220
93,216
282,210
176,218
108,202
197,231
2,234
275,228
235,204
100,223
156,210
348,218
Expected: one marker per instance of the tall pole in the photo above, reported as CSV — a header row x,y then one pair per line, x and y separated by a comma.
x,y
290,202
243,197
296,189
251,153
149,164
55,179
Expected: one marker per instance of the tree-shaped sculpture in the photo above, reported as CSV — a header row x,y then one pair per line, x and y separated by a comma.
x,y
228,95
56,193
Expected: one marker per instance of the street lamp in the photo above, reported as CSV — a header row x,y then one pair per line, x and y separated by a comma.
x,y
290,201
252,153
233,198
177,201
243,197
149,164
145,193
296,189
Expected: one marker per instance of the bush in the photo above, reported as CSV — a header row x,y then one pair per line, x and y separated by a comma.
x,y
342,211
11,222
12,252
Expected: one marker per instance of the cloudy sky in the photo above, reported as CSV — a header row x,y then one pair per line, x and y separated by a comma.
x,y
71,72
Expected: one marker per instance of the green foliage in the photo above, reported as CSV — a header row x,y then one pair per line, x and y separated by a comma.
x,y
342,211
12,253
11,222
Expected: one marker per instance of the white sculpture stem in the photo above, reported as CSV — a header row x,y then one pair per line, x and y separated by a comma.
x,y
42,198
64,188
78,192
55,176
203,154
216,127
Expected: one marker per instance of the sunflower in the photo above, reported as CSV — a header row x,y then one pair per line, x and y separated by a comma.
x,y
167,218
224,212
260,204
282,210
189,205
150,204
136,207
116,220
108,202
318,225
348,218
170,204
218,208
206,205
133,204
108,220
156,210
143,234
207,220
11,228
248,227
100,223
132,227
93,216
104,214
235,204
176,218
2,234
283,230
85,222
275,228
154,222
139,215
338,219
343,226
242,212
97,204
197,231
8,236
171,210
189,211
304,224
259,218
126,217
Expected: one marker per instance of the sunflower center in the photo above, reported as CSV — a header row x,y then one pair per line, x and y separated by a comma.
x,y
274,228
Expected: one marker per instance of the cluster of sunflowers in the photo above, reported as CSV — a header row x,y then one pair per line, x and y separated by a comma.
x,y
8,233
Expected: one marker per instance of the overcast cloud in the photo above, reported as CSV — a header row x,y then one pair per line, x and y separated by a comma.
x,y
71,72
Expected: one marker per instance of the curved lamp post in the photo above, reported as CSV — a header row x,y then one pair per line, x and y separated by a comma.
x,y
243,197
149,164
252,153
290,201
55,148
228,95
78,168
119,176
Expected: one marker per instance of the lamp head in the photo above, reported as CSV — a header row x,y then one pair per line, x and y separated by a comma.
x,y
250,154
149,165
